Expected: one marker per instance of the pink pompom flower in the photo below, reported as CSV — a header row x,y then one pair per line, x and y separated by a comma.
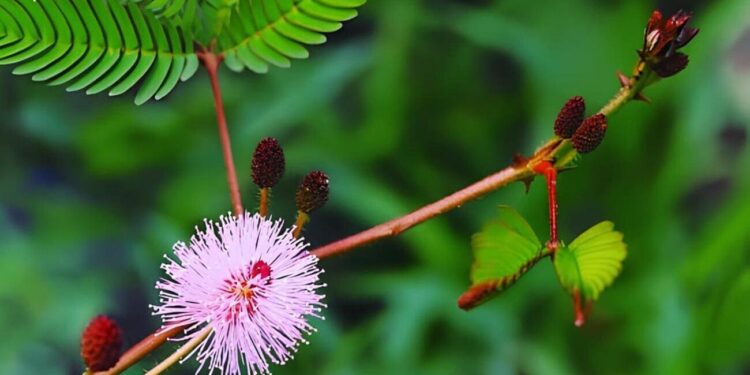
x,y
252,282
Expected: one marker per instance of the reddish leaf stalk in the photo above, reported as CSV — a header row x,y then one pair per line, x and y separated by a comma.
x,y
547,169
582,309
211,62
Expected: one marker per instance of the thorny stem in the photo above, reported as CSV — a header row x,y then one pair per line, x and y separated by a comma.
x,y
554,149
183,351
211,62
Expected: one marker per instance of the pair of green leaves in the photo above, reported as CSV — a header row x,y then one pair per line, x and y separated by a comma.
x,y
113,45
507,248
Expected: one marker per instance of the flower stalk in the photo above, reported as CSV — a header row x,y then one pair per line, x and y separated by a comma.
x,y
211,62
182,352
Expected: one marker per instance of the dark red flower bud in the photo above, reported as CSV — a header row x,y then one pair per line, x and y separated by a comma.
x,y
662,40
570,117
312,192
671,65
101,344
268,163
590,134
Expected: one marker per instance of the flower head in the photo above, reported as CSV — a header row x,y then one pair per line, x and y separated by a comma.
x,y
249,280
662,40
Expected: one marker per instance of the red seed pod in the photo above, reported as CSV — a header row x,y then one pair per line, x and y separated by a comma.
x,y
570,117
591,133
268,163
101,344
312,192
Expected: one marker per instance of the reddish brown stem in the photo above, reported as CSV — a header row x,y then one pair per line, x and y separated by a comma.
x,y
140,350
455,200
547,169
211,62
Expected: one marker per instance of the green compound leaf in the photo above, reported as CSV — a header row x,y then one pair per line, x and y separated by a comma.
x,y
95,45
589,264
264,33
504,250
114,45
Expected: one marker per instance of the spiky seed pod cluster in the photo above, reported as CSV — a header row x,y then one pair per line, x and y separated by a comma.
x,y
101,344
312,192
570,117
590,134
268,163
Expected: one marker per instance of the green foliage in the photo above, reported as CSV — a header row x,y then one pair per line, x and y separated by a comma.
x,y
95,46
504,250
503,246
101,45
507,248
259,33
592,261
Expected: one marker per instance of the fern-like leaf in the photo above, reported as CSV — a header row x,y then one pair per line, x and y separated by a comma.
x,y
96,45
272,32
504,250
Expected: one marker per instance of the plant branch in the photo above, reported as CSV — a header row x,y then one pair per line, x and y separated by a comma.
x,y
211,62
141,349
180,353
396,226
556,150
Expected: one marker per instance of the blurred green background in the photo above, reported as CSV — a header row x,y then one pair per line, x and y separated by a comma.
x,y
409,102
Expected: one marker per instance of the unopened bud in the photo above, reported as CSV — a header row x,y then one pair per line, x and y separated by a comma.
x,y
591,133
312,192
268,163
101,344
570,117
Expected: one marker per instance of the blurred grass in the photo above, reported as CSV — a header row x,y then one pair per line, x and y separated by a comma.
x,y
409,102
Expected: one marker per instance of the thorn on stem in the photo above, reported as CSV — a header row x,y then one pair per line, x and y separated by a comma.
x,y
624,80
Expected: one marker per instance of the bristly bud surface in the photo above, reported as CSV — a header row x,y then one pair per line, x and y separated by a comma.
x,y
570,117
101,344
591,133
312,192
268,163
